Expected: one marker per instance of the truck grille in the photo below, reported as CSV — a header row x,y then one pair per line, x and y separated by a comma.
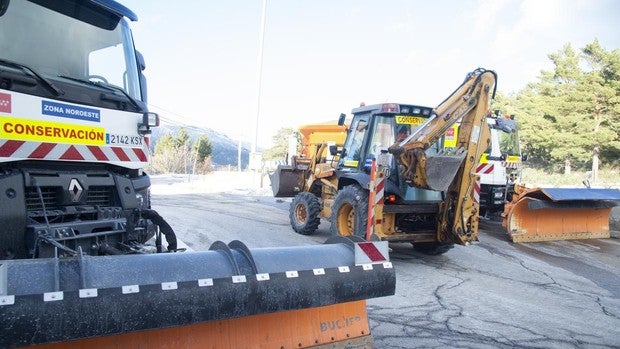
x,y
100,196
53,197
33,201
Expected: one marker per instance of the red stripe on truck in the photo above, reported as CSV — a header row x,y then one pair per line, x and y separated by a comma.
x,y
120,153
8,148
41,151
97,153
71,154
140,154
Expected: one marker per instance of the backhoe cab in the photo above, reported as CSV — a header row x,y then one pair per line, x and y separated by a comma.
x,y
411,212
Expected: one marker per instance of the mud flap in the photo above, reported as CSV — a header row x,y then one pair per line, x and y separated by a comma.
x,y
52,300
549,214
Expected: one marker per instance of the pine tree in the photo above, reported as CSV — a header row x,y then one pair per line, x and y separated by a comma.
x,y
571,114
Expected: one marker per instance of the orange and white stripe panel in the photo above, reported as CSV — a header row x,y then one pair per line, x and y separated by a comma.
x,y
485,168
476,193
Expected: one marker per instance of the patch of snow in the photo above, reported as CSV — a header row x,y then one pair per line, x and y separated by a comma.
x,y
238,183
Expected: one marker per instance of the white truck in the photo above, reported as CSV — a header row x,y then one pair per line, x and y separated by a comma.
x,y
74,131
500,165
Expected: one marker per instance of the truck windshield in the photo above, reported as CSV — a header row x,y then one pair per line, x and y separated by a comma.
x,y
97,47
508,142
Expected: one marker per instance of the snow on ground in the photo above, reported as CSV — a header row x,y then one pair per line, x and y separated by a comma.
x,y
241,183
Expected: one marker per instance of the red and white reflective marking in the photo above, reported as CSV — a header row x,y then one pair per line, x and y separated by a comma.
x,y
477,190
379,193
70,152
509,164
371,252
379,189
375,197
485,168
370,217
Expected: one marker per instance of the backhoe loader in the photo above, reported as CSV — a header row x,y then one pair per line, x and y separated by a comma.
x,y
429,196
83,261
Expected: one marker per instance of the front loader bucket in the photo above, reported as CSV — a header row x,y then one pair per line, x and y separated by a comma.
x,y
197,297
441,170
285,181
549,214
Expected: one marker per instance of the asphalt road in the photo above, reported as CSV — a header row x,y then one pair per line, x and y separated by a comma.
x,y
492,294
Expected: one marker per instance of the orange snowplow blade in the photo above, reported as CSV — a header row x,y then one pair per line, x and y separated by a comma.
x,y
342,325
230,296
549,214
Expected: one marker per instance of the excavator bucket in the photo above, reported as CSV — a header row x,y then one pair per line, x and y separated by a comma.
x,y
441,170
549,214
227,297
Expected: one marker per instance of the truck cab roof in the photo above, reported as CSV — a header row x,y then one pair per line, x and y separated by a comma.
x,y
393,108
116,8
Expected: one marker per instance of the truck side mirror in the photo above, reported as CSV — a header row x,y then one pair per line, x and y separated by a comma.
x,y
341,119
140,61
141,67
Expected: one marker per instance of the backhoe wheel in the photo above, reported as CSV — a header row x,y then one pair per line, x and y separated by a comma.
x,y
432,248
350,211
304,213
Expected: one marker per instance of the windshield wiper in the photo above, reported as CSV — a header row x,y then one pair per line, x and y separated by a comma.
x,y
48,84
108,87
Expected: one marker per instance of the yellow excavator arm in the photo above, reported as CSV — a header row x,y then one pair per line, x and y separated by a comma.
x,y
453,172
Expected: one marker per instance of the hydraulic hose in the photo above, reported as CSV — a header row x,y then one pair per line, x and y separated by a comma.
x,y
164,227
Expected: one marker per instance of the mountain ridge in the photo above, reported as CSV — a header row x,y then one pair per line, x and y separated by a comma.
x,y
224,149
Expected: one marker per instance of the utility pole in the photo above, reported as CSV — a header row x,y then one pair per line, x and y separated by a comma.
x,y
239,154
254,156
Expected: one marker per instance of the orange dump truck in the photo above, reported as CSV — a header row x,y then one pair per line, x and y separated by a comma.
x,y
312,136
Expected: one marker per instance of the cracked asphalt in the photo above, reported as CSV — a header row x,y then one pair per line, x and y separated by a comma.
x,y
495,294
492,294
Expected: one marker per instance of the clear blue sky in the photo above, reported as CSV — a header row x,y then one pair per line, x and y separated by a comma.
x,y
324,57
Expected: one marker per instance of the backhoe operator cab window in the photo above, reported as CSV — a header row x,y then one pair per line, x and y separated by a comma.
x,y
390,129
386,129
353,146
383,136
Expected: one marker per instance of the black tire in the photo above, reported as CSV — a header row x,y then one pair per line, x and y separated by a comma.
x,y
304,213
432,248
350,212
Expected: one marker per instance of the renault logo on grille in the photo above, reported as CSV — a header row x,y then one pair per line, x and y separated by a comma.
x,y
75,190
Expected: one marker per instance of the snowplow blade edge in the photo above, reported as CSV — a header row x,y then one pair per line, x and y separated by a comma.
x,y
549,214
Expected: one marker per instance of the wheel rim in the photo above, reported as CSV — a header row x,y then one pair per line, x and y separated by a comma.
x,y
345,220
301,214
